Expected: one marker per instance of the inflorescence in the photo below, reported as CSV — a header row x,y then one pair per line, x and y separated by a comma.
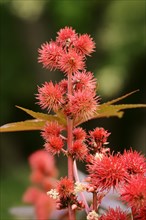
x,y
75,98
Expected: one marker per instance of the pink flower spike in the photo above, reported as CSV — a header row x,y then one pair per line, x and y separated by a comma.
x,y
41,161
66,36
54,145
84,45
71,62
49,96
49,55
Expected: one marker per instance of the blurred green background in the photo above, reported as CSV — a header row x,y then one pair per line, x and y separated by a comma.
x,y
118,28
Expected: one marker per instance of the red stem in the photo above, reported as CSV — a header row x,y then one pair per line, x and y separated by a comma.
x,y
69,144
95,201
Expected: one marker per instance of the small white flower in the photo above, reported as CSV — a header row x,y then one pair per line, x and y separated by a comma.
x,y
105,143
99,156
53,194
79,187
74,206
92,216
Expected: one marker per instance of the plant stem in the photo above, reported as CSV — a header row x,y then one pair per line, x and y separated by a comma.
x,y
95,201
81,193
69,145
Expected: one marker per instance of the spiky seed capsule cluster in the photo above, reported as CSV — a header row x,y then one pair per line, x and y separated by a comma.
x,y
123,172
67,54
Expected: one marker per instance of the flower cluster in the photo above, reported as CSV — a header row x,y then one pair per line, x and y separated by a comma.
x,y
52,136
68,54
81,104
43,171
125,173
65,194
74,100
107,172
42,167
98,139
92,216
84,145
79,148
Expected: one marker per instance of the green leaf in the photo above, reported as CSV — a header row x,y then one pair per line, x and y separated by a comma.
x,y
34,124
122,97
37,115
107,109
104,110
46,117
28,125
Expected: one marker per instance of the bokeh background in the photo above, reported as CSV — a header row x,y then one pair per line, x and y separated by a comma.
x,y
118,28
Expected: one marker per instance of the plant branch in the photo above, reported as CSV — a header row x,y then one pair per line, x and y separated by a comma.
x,y
95,201
69,146
81,193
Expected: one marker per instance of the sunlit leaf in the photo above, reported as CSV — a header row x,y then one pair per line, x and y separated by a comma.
x,y
28,125
34,124
47,117
106,110
37,115
122,97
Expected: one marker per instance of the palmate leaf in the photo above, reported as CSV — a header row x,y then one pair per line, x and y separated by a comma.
x,y
28,125
46,117
109,108
38,115
105,110
121,97
34,124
